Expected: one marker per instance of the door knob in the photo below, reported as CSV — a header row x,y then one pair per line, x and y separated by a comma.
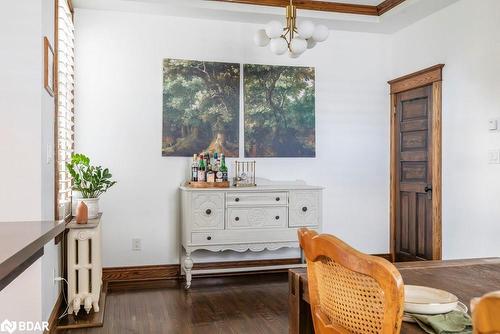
x,y
208,211
428,188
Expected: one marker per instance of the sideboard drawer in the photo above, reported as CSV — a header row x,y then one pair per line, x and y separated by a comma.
x,y
263,217
305,208
256,198
234,237
207,211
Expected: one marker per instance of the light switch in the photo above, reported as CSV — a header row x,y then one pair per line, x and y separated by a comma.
x,y
493,125
494,157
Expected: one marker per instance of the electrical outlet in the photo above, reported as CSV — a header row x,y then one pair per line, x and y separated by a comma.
x,y
493,124
136,244
494,157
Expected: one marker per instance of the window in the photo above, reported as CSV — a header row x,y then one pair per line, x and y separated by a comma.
x,y
64,123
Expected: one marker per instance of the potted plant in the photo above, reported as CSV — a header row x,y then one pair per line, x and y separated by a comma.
x,y
90,181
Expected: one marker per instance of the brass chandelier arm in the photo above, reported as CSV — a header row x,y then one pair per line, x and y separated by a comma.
x,y
291,22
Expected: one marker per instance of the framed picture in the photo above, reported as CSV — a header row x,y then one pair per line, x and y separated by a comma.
x,y
279,111
200,107
48,65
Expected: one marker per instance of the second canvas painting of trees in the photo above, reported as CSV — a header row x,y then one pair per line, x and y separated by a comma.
x,y
201,109
279,111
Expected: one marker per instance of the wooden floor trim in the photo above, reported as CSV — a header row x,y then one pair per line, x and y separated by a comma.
x,y
145,276
141,273
173,271
54,315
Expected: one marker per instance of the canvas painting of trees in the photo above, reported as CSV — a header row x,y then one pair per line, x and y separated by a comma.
x,y
200,107
279,111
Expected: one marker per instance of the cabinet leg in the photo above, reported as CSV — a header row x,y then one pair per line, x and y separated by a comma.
x,y
188,265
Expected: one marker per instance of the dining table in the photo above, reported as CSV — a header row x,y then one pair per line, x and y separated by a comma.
x,y
467,278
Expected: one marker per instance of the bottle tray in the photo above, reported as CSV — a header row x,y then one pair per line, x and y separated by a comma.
x,y
223,184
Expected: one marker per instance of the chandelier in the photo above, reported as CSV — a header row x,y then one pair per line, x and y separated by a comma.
x,y
293,38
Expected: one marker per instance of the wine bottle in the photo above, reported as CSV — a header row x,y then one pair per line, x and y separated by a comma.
x,y
223,167
201,169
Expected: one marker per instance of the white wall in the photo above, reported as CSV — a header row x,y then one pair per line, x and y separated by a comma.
x,y
119,124
26,128
465,37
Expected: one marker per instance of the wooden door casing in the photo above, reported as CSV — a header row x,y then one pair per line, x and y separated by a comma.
x,y
432,79
414,175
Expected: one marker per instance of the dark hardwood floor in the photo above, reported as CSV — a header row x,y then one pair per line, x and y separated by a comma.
x,y
239,304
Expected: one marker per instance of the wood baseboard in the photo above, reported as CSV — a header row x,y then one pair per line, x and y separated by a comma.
x,y
388,257
141,273
158,276
54,315
145,276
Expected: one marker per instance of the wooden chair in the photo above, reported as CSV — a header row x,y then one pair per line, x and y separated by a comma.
x,y
350,292
486,313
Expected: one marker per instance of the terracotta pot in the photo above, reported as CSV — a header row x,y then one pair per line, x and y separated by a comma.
x,y
82,213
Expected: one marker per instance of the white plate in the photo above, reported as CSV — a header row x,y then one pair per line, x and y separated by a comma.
x,y
424,300
460,307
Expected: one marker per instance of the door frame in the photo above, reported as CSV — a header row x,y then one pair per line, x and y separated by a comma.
x,y
429,76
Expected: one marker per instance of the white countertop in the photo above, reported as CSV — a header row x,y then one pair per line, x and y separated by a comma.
x,y
266,187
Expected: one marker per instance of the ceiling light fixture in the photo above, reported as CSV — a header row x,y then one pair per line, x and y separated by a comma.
x,y
293,38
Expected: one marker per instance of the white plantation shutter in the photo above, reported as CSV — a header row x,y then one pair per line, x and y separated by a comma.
x,y
65,110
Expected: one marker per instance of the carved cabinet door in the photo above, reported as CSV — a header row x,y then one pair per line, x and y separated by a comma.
x,y
304,208
207,211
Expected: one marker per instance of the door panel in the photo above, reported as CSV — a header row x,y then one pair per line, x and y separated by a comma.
x,y
414,175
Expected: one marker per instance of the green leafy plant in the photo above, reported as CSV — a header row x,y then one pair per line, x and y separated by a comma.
x,y
91,181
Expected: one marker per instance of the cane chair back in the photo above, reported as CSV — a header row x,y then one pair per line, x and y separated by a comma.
x,y
486,313
350,292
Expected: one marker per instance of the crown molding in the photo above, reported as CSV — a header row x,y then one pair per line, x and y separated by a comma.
x,y
325,6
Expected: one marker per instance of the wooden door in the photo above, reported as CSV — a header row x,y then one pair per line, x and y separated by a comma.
x,y
414,226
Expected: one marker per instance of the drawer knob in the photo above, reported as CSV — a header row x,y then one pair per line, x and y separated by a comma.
x,y
209,238
236,218
304,208
237,199
277,217
277,199
208,211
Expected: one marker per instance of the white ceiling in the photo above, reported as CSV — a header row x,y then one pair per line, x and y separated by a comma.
x,y
401,16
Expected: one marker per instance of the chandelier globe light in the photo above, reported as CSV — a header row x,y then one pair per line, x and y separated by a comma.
x,y
294,38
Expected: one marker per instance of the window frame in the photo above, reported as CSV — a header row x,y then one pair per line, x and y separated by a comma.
x,y
68,215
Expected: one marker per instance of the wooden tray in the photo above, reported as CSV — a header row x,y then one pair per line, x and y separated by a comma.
x,y
224,184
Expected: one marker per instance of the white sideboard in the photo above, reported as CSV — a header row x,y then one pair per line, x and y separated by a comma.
x,y
242,219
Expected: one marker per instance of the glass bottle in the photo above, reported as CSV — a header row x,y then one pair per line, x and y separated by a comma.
x,y
194,168
201,169
223,167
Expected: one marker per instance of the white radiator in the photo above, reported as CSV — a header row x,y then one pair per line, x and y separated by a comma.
x,y
84,265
